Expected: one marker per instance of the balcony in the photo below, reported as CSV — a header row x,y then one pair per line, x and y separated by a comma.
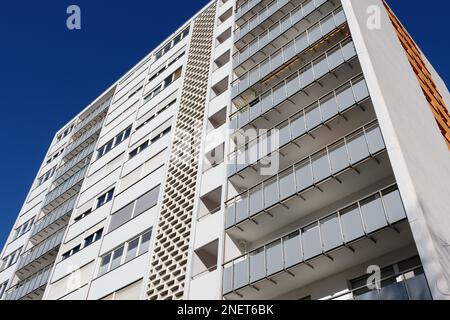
x,y
96,116
266,45
64,191
39,256
410,285
83,141
52,222
288,27
30,289
301,88
74,165
364,229
349,165
246,7
302,133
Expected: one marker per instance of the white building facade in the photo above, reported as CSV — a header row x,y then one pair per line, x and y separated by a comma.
x,y
268,149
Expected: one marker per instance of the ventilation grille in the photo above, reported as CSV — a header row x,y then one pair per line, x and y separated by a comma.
x,y
168,270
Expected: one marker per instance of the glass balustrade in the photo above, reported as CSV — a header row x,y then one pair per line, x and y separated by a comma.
x,y
65,209
320,237
29,285
313,170
294,84
67,185
41,249
296,46
246,7
319,113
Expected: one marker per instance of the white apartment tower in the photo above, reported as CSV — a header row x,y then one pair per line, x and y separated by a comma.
x,y
268,149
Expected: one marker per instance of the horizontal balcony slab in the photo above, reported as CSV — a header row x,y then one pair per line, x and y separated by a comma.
x,y
30,289
239,286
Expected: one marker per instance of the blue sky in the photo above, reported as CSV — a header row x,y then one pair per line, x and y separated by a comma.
x,y
48,73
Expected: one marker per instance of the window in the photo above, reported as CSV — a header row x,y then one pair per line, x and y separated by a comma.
x,y
65,133
156,111
82,216
3,287
163,85
139,149
134,209
55,156
20,231
172,44
11,259
104,199
46,176
121,137
86,243
125,253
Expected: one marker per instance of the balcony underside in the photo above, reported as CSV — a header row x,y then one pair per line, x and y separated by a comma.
x,y
38,264
321,267
51,229
370,174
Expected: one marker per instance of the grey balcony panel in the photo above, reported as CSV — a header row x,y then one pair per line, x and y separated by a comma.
x,y
257,266
375,140
105,105
325,235
298,126
271,193
373,214
338,158
393,205
345,99
67,185
303,176
352,225
284,135
292,250
328,107
287,185
256,201
230,216
357,148
331,233
242,210
73,162
321,167
227,280
274,257
312,245
241,274
313,117
418,288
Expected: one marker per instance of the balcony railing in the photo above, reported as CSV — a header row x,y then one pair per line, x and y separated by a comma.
x,y
345,154
65,209
92,116
296,46
298,82
29,285
73,162
66,186
295,16
38,251
409,285
246,7
302,123
260,17
341,228
82,139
